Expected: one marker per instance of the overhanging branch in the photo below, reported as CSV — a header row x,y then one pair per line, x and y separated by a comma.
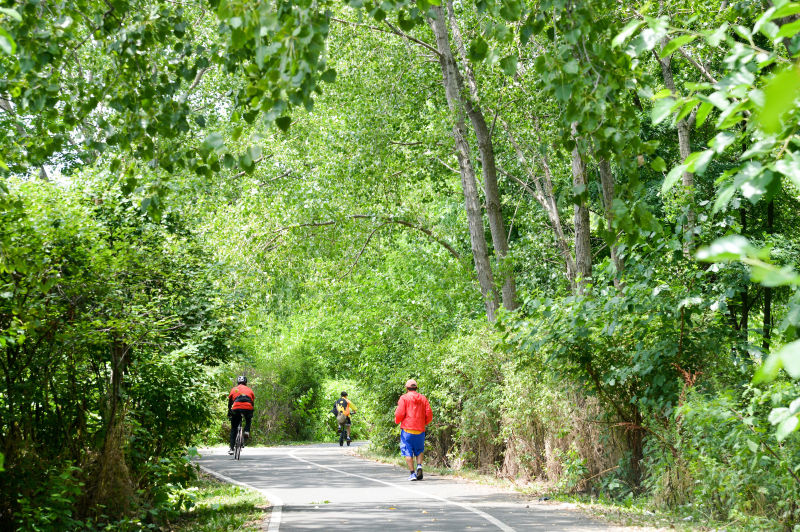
x,y
385,220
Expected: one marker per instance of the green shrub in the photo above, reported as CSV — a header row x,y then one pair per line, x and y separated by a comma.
x,y
738,469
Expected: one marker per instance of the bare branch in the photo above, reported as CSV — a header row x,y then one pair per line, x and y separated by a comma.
x,y
525,186
263,157
391,29
412,39
358,25
398,143
361,251
697,65
447,166
424,230
385,220
196,82
286,228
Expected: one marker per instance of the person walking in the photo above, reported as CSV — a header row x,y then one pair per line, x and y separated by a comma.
x,y
342,408
240,404
413,413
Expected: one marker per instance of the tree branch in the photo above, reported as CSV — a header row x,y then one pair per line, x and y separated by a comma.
x,y
361,251
518,180
391,29
412,39
447,166
196,82
385,220
697,65
398,143
243,172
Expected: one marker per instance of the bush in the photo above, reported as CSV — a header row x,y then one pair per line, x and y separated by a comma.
x,y
737,468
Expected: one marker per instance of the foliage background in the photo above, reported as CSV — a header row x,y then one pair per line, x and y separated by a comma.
x,y
281,190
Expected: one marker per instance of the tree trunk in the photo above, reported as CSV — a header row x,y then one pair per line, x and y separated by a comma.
x,y
477,236
607,186
543,193
767,290
583,246
488,164
685,148
112,487
744,325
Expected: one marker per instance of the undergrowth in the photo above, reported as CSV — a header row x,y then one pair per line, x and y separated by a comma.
x,y
219,507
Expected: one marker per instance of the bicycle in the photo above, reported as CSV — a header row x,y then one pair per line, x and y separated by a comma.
x,y
343,434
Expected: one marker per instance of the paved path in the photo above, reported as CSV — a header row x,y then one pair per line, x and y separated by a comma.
x,y
323,487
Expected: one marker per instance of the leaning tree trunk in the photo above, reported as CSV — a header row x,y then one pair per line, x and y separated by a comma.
x,y
480,250
488,164
544,195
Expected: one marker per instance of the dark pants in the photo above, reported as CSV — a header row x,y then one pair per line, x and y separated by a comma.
x,y
236,420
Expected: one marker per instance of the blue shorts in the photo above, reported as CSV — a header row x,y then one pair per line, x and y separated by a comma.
x,y
411,444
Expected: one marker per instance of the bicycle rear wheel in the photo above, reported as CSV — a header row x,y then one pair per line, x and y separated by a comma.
x,y
237,448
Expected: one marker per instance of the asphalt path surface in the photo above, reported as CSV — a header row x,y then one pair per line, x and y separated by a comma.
x,y
325,487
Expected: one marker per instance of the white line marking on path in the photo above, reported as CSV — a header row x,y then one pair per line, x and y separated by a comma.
x,y
499,524
275,501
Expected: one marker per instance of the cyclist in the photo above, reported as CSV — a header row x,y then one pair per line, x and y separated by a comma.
x,y
413,413
240,404
342,408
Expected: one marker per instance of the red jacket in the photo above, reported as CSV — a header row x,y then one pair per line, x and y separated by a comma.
x,y
241,398
413,412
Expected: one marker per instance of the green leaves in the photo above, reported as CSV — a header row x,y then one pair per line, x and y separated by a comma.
x,y
563,91
629,29
511,10
780,95
13,14
770,275
787,358
509,65
676,43
658,165
213,141
789,166
532,26
786,419
478,49
662,109
673,177
329,76
7,44
715,36
734,247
